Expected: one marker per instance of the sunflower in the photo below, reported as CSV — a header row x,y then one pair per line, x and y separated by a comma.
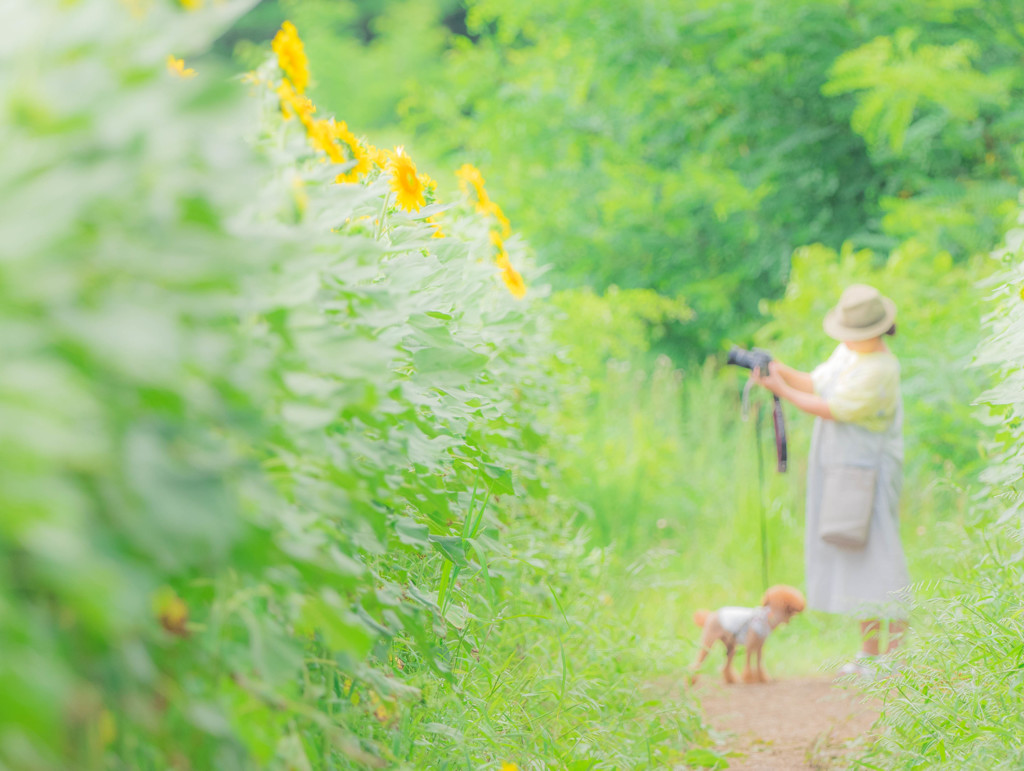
x,y
291,56
177,67
438,233
470,178
356,152
429,187
506,226
380,158
362,167
321,136
502,256
295,105
514,281
406,183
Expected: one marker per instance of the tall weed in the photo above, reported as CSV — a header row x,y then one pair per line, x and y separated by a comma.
x,y
957,702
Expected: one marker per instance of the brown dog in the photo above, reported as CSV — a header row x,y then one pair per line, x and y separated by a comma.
x,y
746,626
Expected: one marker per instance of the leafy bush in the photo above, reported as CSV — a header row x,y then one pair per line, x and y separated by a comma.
x,y
269,416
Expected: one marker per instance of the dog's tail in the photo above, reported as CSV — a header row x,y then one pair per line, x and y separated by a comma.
x,y
701,616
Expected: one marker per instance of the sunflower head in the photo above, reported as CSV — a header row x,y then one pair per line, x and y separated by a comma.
x,y
294,104
514,281
291,56
378,157
406,183
355,151
471,182
321,137
495,210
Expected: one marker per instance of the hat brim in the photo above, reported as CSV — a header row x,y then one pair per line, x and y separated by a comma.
x,y
835,329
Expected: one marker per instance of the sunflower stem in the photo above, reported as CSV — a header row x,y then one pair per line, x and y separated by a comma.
x,y
383,211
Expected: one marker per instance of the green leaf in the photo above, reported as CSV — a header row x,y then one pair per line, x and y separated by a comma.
x,y
452,547
411,532
500,479
448,361
701,757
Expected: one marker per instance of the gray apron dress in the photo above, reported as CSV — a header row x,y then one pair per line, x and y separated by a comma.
x,y
869,582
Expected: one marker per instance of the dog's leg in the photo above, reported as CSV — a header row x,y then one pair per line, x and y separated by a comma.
x,y
753,647
702,653
762,676
730,648
712,632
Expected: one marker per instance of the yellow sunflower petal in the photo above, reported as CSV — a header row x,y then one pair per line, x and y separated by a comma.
x,y
406,183
291,56
514,281
177,67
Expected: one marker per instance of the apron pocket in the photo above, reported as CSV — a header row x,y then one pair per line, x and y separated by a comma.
x,y
848,497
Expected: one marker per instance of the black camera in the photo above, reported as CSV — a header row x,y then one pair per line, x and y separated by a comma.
x,y
750,359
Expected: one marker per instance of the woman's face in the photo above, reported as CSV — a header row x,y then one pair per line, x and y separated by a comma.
x,y
864,346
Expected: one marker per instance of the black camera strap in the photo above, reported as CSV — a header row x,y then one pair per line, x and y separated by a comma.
x,y
778,422
781,450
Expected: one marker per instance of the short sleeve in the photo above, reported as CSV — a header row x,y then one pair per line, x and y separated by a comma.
x,y
824,372
867,392
818,377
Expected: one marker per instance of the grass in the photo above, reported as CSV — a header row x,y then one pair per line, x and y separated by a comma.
x,y
565,675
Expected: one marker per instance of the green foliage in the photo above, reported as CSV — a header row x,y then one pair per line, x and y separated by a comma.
x,y
366,54
897,77
691,149
622,324
957,701
268,462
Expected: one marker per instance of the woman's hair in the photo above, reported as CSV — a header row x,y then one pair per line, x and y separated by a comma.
x,y
891,330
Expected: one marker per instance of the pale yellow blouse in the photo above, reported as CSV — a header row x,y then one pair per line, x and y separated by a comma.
x,y
863,388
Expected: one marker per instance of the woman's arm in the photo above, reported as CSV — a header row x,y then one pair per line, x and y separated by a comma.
x,y
808,402
801,381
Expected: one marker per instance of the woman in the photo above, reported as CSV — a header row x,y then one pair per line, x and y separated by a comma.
x,y
857,442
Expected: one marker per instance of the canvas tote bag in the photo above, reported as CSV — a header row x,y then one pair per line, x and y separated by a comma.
x,y
847,500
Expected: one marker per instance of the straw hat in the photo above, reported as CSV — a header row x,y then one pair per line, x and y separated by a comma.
x,y
862,313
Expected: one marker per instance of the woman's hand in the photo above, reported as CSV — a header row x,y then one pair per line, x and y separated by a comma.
x,y
772,380
775,380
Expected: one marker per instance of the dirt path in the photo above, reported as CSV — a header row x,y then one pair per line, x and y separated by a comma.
x,y
804,723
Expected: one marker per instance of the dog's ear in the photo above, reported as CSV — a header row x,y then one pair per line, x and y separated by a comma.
x,y
794,606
